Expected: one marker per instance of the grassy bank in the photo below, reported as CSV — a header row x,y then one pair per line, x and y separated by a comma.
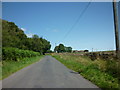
x,y
0,70
11,66
101,72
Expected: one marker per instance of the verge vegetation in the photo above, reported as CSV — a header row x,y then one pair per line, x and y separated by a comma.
x,y
19,50
9,53
11,66
0,70
103,73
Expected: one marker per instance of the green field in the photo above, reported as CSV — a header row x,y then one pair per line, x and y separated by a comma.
x,y
103,73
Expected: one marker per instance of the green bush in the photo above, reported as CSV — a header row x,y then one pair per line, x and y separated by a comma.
x,y
9,53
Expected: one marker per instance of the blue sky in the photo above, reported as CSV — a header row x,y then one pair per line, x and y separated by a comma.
x,y
52,20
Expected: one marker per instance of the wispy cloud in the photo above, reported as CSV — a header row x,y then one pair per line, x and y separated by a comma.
x,y
55,30
23,29
29,35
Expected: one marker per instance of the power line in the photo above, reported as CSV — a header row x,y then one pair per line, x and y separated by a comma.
x,y
77,20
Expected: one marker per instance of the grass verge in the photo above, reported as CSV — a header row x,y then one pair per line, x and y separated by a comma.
x,y
10,66
91,70
0,70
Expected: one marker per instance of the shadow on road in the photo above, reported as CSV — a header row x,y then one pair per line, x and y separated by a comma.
x,y
74,72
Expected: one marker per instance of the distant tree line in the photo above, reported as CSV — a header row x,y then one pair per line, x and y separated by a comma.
x,y
12,36
61,48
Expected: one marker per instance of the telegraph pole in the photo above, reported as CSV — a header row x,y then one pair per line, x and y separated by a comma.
x,y
92,49
116,29
55,46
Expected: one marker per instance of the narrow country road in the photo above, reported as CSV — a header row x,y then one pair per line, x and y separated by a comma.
x,y
47,73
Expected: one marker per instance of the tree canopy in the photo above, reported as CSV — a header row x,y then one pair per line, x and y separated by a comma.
x,y
61,48
12,36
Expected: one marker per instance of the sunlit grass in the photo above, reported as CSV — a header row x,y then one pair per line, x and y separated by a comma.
x,y
0,70
100,72
11,66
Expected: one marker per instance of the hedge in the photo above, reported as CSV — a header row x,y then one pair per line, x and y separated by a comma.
x,y
9,53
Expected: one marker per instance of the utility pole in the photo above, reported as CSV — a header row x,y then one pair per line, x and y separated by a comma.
x,y
55,46
116,29
92,49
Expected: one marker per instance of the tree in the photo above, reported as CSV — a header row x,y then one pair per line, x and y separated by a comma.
x,y
86,50
56,48
61,48
12,36
68,49
35,36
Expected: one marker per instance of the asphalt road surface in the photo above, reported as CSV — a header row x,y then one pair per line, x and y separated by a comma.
x,y
47,73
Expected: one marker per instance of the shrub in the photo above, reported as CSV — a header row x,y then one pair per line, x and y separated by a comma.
x,y
9,53
92,56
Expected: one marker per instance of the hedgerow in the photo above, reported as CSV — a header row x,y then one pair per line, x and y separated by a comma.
x,y
9,53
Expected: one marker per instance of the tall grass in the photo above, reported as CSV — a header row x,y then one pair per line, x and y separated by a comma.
x,y
104,73
0,70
